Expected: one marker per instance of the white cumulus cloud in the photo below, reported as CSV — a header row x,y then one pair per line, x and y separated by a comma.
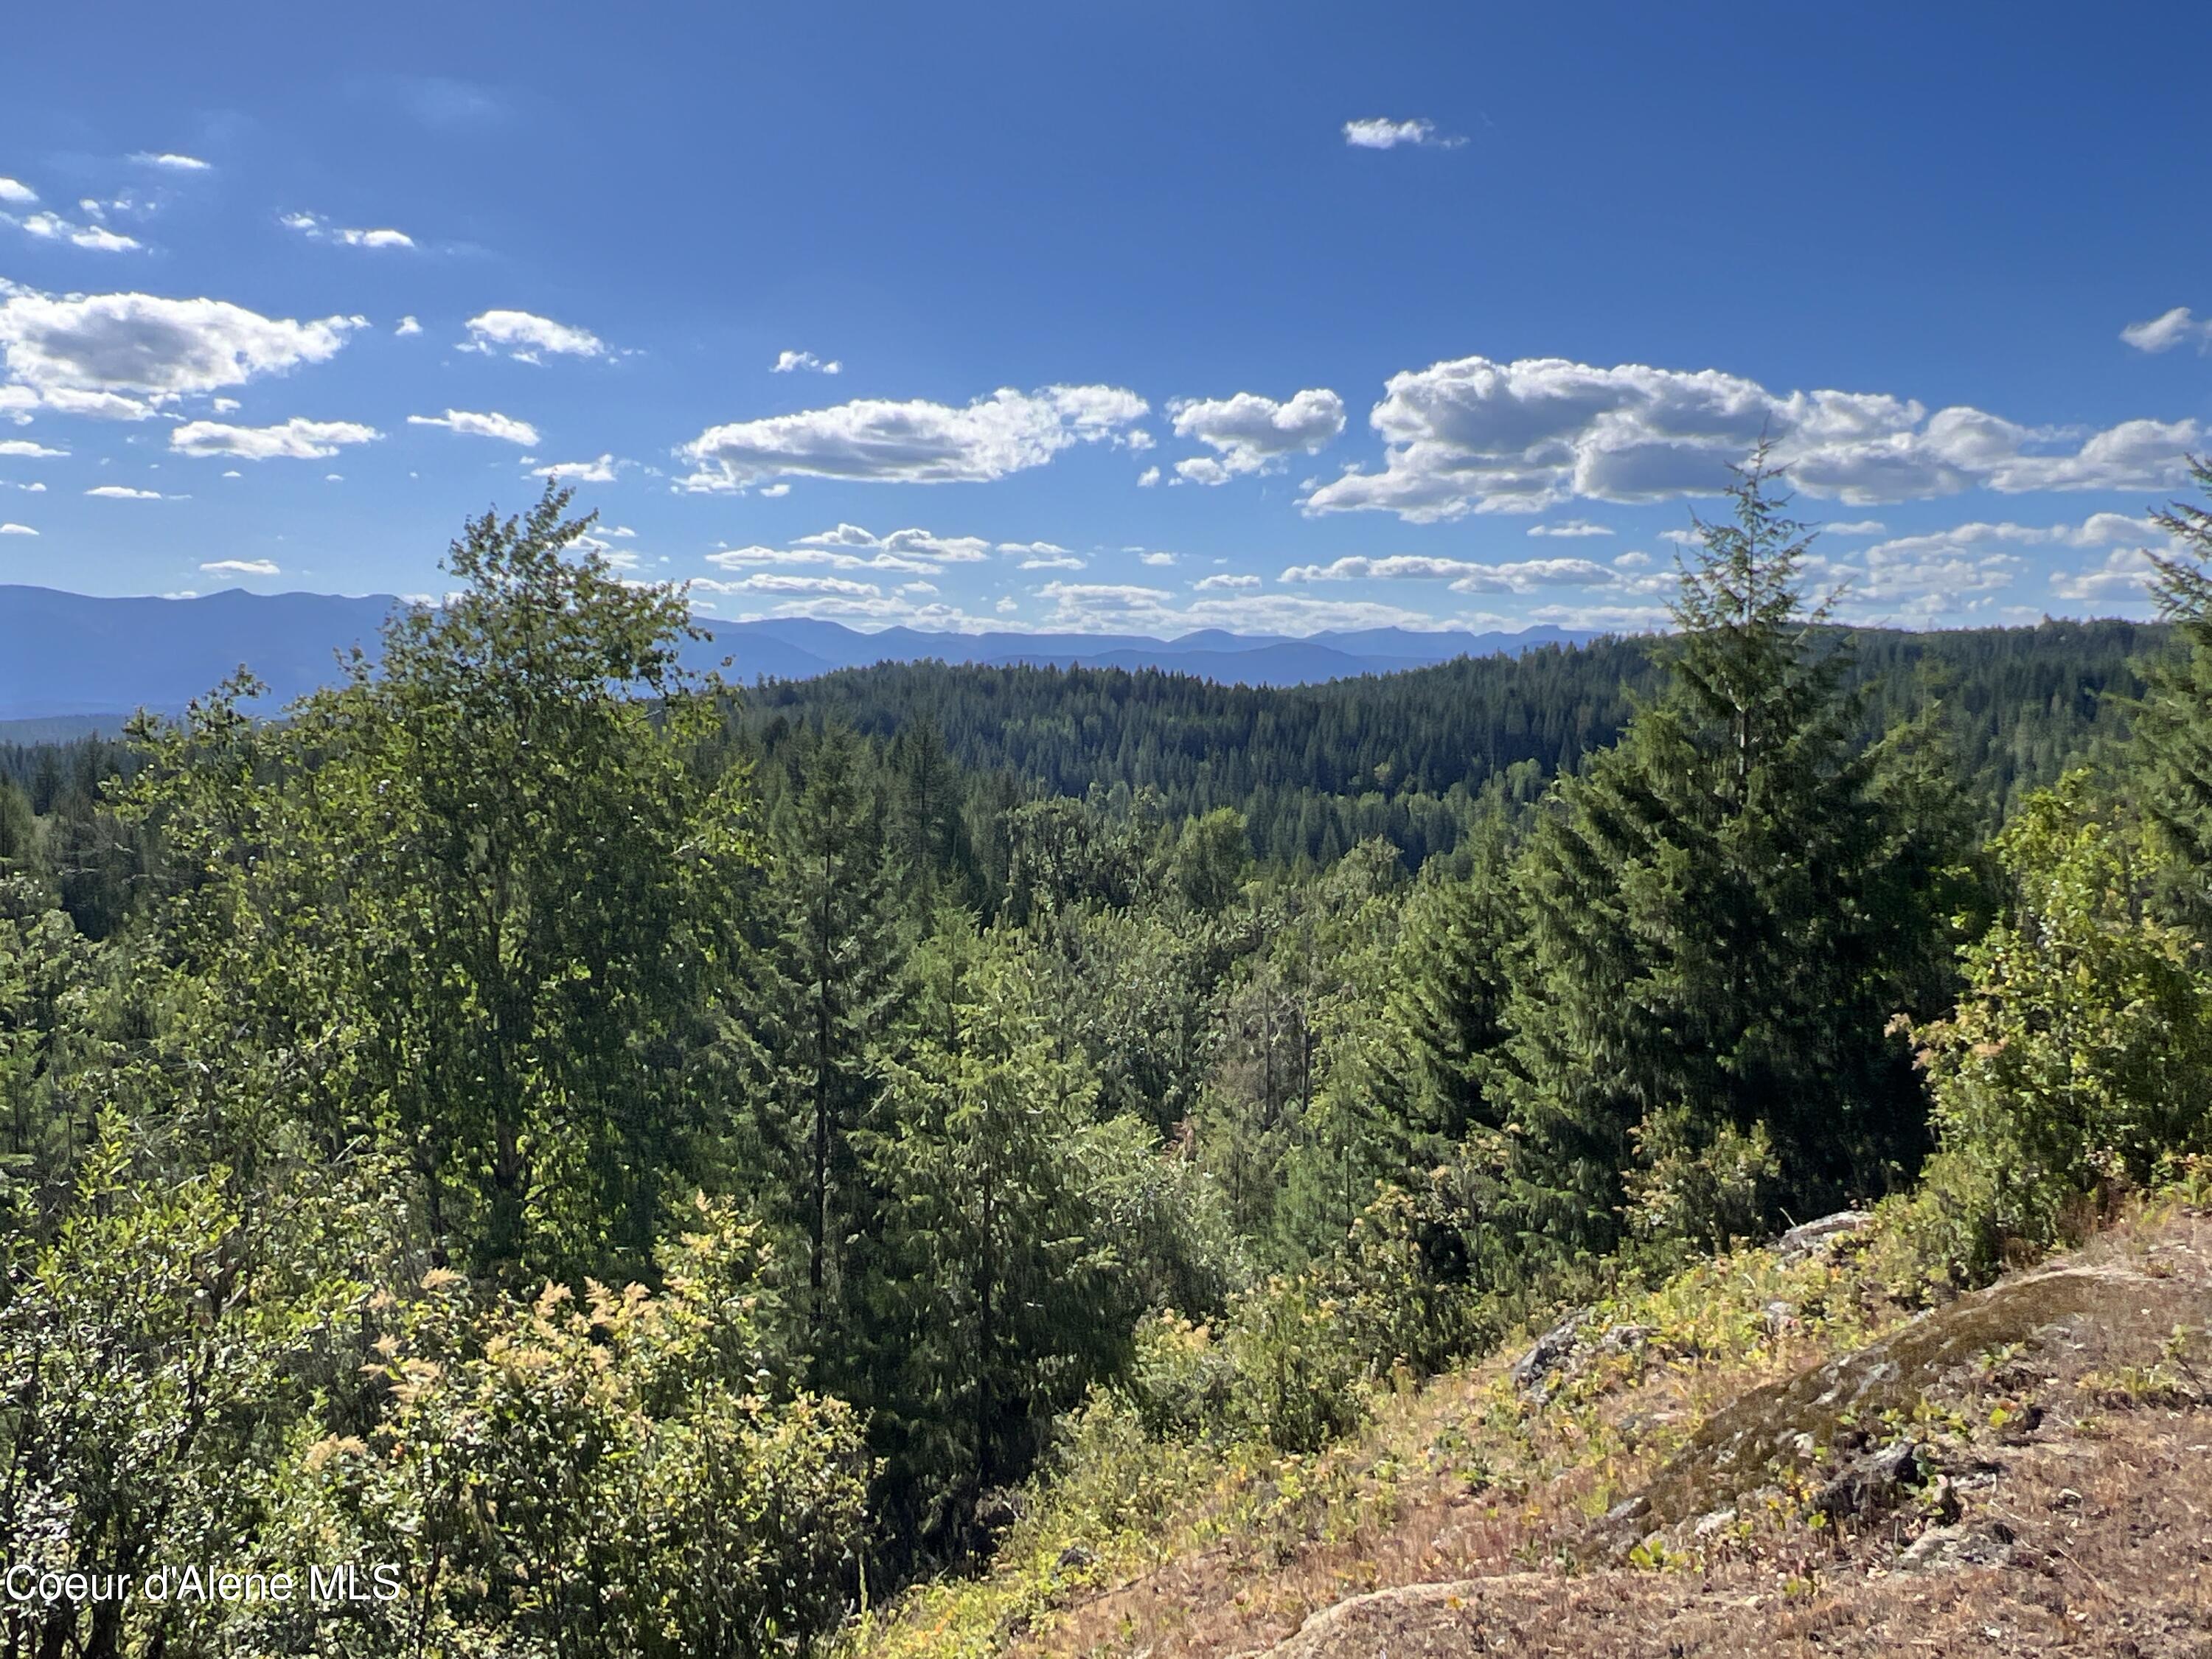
x,y
16,530
296,439
739,558
171,161
124,493
242,568
916,544
1249,433
529,338
23,448
768,581
1945,574
850,547
1465,575
787,362
2121,577
489,425
1476,435
912,442
1379,132
122,354
2166,331
1118,608
16,193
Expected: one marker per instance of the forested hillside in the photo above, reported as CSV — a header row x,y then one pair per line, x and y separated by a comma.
x,y
667,1173
1315,769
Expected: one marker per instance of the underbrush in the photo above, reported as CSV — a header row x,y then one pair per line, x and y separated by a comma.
x,y
1206,1453
1204,1449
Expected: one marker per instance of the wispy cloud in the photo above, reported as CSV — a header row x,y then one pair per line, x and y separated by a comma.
x,y
529,338
489,425
296,439
2168,330
316,227
602,470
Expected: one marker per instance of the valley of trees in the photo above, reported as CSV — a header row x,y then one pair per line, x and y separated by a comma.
x,y
664,1169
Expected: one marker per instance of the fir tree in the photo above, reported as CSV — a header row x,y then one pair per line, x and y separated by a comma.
x,y
2173,728
995,1303
1724,912
830,996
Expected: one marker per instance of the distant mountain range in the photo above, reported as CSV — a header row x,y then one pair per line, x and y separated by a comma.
x,y
73,663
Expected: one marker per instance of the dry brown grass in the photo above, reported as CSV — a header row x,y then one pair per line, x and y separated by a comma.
x,y
2072,1439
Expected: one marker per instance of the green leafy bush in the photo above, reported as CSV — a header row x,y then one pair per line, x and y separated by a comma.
x,y
2078,1061
1299,1380
614,1473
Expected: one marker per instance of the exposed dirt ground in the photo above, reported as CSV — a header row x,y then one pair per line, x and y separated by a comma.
x,y
2026,1469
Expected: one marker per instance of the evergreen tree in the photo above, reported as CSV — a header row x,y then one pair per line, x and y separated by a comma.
x,y
19,830
830,996
1446,1000
1724,913
2172,729
997,1297
927,793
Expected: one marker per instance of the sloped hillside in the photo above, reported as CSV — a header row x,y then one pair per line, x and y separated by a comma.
x,y
1769,1456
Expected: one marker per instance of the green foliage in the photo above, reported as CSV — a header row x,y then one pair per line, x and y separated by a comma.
x,y
155,1354
1316,769
999,1302
1207,868
1129,1119
1179,1378
19,830
1297,1381
2173,721
616,1474
483,892
1712,1185
1722,915
48,1042
2079,1060
823,998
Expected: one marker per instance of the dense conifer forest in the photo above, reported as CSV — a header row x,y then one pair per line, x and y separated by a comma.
x,y
665,1168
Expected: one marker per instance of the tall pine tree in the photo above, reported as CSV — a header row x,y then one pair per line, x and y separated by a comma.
x,y
2174,721
828,1000
1724,913
996,1301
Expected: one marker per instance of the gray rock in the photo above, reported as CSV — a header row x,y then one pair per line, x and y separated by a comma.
x,y
1942,1548
1547,1354
1870,1484
1810,1236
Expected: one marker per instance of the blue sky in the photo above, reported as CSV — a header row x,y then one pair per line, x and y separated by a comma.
x,y
1279,318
